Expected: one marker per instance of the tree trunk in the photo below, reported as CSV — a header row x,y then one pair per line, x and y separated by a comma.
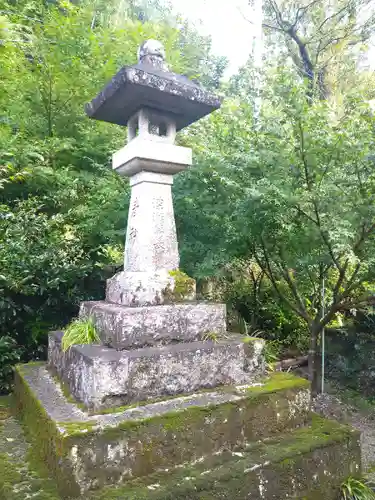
x,y
314,362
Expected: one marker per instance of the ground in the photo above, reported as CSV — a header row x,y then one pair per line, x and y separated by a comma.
x,y
349,407
19,479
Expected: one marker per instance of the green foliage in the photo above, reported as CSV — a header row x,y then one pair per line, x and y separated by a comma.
x,y
9,355
212,336
80,331
324,45
254,309
296,195
272,351
354,489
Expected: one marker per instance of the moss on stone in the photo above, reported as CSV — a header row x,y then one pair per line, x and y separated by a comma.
x,y
4,408
316,458
278,381
183,287
246,339
194,414
160,399
181,436
76,429
21,475
161,441
66,391
50,445
9,476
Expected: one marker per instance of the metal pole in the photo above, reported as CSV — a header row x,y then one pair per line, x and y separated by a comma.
x,y
323,335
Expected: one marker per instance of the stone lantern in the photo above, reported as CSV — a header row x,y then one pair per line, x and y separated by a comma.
x,y
152,330
154,104
167,404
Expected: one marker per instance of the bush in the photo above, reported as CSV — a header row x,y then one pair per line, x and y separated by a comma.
x,y
9,355
255,309
354,489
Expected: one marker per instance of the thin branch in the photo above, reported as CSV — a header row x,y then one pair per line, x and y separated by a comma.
x,y
265,25
277,12
295,292
315,205
303,155
351,283
303,11
335,14
340,281
268,271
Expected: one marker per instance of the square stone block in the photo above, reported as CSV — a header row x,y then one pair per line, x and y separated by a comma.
x,y
102,377
124,327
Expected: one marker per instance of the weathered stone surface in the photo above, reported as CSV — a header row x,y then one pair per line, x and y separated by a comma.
x,y
19,478
148,155
102,377
87,452
124,327
151,249
152,52
152,125
314,469
145,84
309,464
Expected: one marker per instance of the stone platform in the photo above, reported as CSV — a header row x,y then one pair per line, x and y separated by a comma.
x,y
122,327
231,475
308,463
101,377
88,452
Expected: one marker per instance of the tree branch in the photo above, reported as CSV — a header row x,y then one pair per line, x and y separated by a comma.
x,y
335,14
268,271
303,11
294,289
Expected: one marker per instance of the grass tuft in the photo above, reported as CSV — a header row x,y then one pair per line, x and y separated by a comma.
x,y
80,331
354,489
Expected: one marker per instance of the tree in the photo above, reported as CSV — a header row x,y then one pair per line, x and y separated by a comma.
x,y
303,199
311,219
319,35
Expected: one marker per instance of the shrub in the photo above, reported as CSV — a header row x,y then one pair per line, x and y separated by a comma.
x,y
9,356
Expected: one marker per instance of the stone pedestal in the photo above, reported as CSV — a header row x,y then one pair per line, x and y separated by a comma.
x,y
132,327
255,441
151,249
101,377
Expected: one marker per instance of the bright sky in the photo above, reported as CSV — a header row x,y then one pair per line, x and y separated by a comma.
x,y
222,19
232,35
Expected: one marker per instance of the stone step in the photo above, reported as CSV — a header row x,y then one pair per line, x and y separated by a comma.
x,y
307,463
125,327
101,377
85,452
